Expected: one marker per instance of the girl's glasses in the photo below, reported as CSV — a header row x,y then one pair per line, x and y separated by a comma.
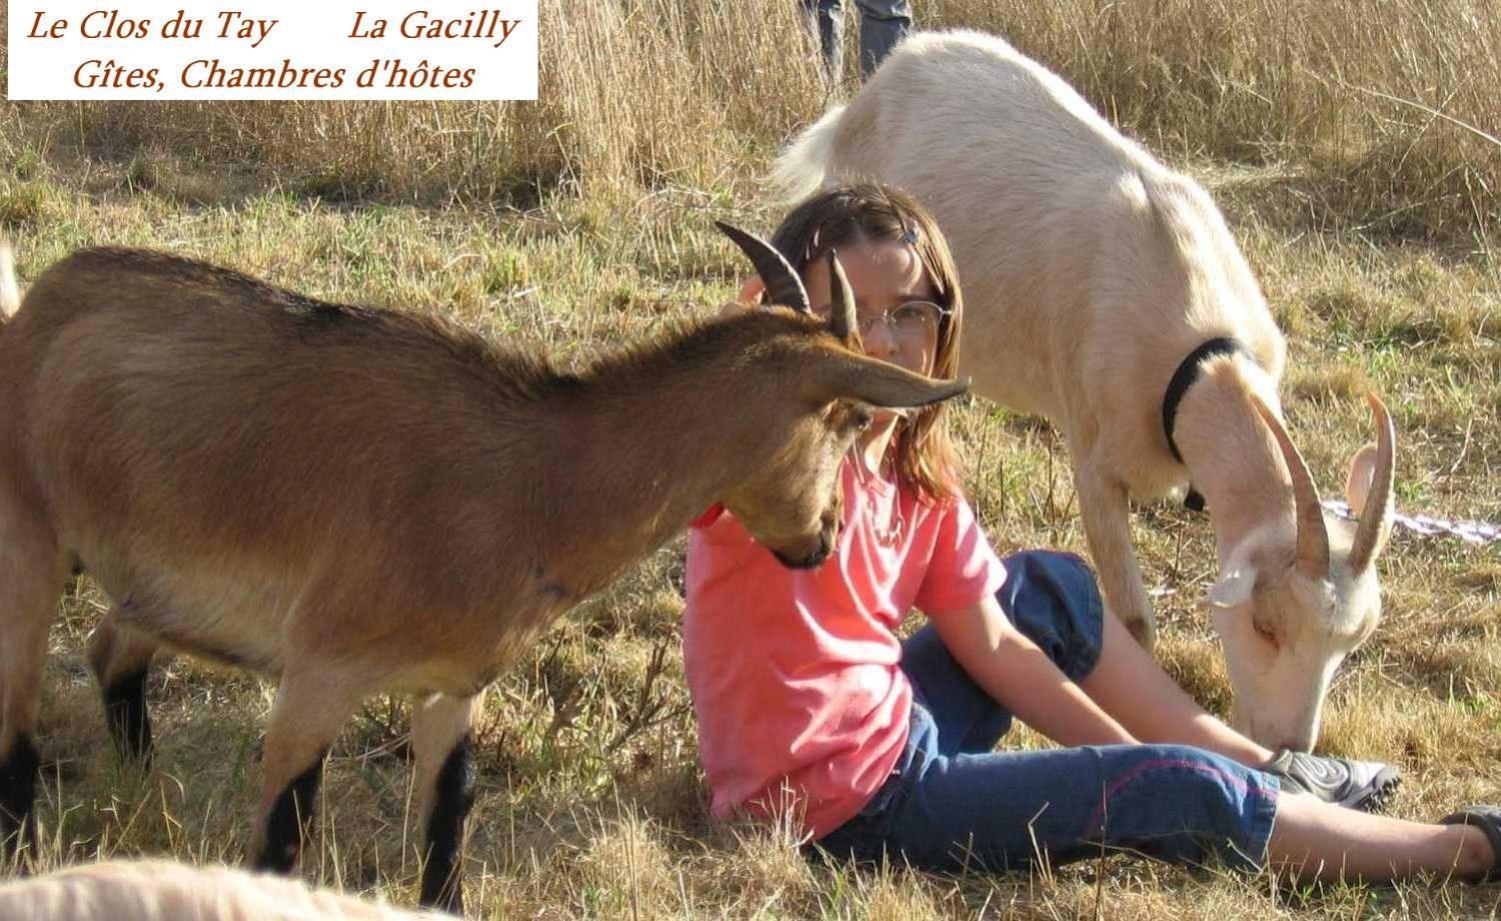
x,y
912,320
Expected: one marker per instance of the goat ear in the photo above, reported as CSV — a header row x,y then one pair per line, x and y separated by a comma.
x,y
844,375
1233,586
783,286
1358,482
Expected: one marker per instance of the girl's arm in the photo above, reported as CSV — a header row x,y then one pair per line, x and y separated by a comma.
x,y
1021,678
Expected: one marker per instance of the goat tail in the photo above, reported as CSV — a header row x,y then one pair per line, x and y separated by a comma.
x,y
10,292
801,169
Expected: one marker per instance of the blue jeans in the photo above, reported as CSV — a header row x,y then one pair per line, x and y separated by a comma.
x,y
954,803
883,23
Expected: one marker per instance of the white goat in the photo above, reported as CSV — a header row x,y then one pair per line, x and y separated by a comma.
x,y
357,500
161,890
1094,276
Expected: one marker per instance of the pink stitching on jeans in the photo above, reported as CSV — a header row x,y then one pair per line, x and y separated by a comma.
x,y
1096,821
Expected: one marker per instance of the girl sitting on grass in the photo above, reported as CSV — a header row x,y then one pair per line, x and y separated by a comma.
x,y
812,710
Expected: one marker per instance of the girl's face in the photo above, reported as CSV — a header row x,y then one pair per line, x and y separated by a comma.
x,y
890,291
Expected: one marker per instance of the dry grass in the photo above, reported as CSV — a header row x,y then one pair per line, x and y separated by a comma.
x,y
631,97
1387,110
583,219
1384,112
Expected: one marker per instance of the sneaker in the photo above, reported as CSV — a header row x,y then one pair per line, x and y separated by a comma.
x,y
1363,785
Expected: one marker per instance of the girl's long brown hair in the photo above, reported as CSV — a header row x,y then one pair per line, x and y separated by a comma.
x,y
922,453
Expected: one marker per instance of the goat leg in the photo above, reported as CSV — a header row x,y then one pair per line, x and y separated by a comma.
x,y
32,574
311,704
1106,511
120,658
441,732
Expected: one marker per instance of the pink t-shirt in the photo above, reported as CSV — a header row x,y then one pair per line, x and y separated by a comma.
x,y
802,708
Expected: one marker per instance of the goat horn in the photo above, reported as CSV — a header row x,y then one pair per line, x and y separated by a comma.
x,y
879,383
842,320
1380,504
1313,539
783,286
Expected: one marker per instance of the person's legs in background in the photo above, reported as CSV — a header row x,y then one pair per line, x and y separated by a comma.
x,y
826,21
883,23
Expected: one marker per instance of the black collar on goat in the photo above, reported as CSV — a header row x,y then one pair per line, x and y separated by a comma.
x,y
1183,378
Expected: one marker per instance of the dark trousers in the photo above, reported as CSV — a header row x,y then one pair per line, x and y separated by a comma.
x,y
883,23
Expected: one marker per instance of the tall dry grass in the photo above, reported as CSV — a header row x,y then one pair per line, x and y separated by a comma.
x,y
1392,106
631,96
1387,109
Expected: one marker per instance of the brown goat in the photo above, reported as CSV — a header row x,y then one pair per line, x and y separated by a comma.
x,y
358,500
